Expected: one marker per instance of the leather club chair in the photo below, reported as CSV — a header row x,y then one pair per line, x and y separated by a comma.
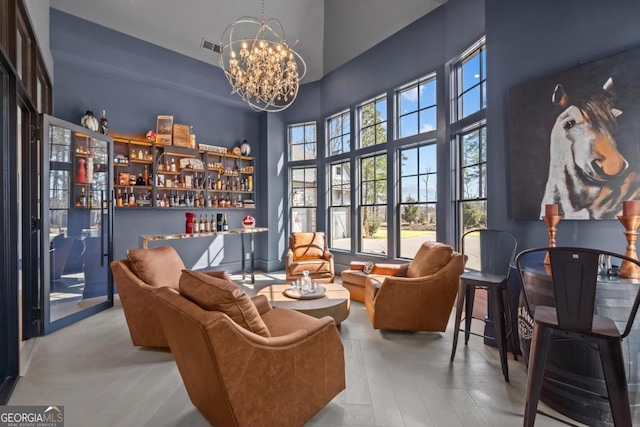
x,y
421,296
136,277
308,251
245,363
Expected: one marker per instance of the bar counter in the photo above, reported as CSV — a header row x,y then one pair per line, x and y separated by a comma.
x,y
146,238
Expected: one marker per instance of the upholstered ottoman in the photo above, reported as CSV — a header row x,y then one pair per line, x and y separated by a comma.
x,y
354,278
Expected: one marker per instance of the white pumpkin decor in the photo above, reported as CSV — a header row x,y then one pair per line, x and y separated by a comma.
x,y
245,148
89,121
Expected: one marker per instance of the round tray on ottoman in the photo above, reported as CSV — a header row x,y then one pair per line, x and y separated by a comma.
x,y
335,302
296,293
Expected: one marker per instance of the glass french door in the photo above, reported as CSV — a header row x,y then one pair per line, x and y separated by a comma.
x,y
76,223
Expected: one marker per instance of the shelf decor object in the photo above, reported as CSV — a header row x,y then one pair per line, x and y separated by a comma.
x,y
630,219
551,218
259,63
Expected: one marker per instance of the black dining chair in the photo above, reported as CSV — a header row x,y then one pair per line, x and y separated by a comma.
x,y
497,250
573,311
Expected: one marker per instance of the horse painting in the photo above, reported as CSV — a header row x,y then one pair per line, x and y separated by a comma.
x,y
588,177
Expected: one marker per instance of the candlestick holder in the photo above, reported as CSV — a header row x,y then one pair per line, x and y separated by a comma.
x,y
551,221
631,224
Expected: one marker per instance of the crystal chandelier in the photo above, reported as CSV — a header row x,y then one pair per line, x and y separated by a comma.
x,y
259,63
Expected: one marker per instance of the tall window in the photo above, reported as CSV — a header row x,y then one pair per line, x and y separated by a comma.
x,y
373,204
340,205
418,197
473,178
303,179
302,142
471,83
469,134
339,133
372,120
417,108
304,198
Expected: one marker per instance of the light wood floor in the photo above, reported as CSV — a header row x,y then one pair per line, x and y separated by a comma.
x,y
393,379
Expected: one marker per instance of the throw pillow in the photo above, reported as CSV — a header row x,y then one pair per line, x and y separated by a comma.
x,y
431,257
368,267
214,294
161,266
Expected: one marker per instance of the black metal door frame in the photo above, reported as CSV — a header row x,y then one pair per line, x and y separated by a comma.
x,y
9,346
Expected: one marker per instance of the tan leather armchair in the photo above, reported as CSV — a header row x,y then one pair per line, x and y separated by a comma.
x,y
420,296
308,251
136,278
237,378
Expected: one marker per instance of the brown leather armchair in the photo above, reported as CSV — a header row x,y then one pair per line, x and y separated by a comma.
x,y
136,278
238,378
418,296
308,251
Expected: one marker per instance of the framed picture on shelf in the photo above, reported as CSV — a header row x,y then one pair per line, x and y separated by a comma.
x,y
181,135
160,180
164,130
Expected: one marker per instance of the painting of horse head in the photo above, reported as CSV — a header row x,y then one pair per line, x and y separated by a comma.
x,y
586,170
574,140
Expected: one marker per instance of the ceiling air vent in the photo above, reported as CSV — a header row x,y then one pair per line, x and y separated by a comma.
x,y
209,45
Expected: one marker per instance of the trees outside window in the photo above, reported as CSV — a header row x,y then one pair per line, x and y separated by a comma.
x,y
373,204
340,205
302,142
339,134
418,197
372,118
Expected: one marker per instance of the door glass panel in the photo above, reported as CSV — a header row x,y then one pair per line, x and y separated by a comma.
x,y
78,224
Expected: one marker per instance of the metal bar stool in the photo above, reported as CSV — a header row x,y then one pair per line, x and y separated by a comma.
x,y
497,250
579,288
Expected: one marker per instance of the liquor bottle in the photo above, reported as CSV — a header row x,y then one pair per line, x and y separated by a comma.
x,y
165,201
172,201
120,202
145,176
214,204
250,183
132,198
209,200
225,226
219,183
219,222
207,227
104,123
202,228
212,226
192,138
173,165
141,155
83,198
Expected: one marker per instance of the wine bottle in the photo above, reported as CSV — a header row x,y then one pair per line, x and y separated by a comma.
x,y
120,202
225,226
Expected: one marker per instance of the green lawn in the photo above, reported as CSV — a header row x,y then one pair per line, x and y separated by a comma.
x,y
382,233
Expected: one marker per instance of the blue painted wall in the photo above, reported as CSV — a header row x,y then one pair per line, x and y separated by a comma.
x,y
97,68
530,39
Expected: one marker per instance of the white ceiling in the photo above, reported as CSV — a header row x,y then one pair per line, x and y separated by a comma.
x,y
329,32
